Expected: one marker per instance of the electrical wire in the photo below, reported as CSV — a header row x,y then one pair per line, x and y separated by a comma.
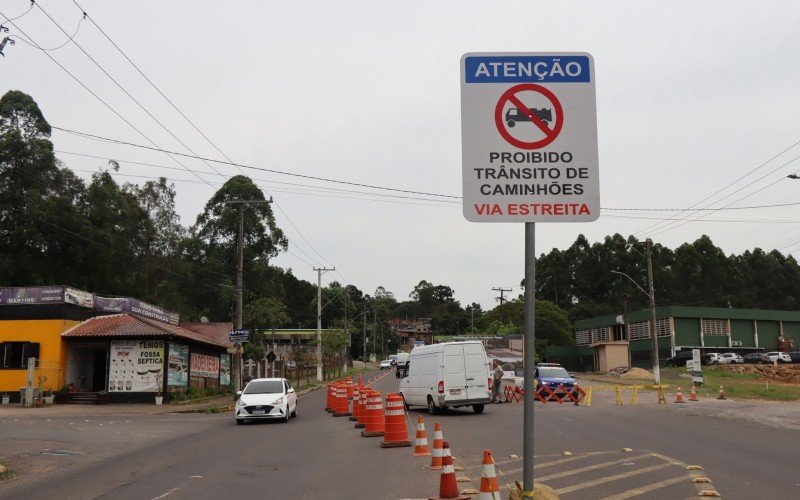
x,y
30,8
262,169
110,108
101,68
69,37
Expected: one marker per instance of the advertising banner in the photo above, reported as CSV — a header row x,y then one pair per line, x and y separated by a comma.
x,y
178,374
204,366
136,365
224,369
135,306
78,297
32,295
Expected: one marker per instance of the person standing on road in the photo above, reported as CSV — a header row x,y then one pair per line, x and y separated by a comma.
x,y
497,372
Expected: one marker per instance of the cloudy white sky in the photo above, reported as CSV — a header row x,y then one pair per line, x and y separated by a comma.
x,y
692,97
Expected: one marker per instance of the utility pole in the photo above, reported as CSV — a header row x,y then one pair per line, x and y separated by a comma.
x,y
502,299
364,322
653,330
374,331
319,271
237,375
625,331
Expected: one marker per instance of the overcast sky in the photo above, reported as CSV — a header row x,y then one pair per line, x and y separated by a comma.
x,y
692,97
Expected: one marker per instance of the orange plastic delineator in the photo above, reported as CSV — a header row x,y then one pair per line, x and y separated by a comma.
x,y
693,395
448,486
362,407
329,400
421,440
354,404
395,432
341,408
721,393
490,490
679,396
374,423
438,441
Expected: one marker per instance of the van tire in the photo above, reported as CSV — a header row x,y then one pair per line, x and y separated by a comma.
x,y
477,408
432,406
405,405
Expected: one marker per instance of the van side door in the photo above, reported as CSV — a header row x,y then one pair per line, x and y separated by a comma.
x,y
454,372
477,368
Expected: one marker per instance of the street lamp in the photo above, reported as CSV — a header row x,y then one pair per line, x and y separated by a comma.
x,y
652,297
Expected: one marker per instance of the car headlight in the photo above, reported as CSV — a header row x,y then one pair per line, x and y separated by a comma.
x,y
278,401
241,403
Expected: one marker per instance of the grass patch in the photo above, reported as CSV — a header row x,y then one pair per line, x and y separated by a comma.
x,y
742,385
213,409
5,472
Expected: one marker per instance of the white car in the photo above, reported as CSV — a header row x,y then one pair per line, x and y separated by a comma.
x,y
266,398
386,364
730,358
782,357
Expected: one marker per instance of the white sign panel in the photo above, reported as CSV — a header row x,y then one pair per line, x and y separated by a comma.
x,y
136,365
529,137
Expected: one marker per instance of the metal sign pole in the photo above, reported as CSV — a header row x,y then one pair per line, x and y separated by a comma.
x,y
529,355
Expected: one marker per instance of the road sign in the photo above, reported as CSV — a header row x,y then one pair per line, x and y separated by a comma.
x,y
239,335
529,137
271,357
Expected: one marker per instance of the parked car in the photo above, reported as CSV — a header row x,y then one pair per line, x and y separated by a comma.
x,y
730,358
553,375
709,358
782,357
265,398
680,358
795,356
386,364
757,358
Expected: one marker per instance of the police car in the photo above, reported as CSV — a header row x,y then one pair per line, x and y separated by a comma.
x,y
553,375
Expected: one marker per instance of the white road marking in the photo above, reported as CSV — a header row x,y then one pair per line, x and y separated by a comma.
x,y
165,494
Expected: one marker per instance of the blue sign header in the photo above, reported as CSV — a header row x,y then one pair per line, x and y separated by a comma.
x,y
526,69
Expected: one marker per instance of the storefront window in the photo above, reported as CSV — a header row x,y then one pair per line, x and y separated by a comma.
x,y
14,355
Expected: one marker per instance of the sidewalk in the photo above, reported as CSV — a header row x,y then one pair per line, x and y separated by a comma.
x,y
215,405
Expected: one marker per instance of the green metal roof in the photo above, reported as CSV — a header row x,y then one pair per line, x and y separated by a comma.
x,y
692,312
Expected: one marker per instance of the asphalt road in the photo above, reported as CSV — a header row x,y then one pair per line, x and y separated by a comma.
x,y
320,456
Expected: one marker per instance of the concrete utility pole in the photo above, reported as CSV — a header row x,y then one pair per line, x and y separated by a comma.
x,y
237,372
364,322
625,330
653,329
502,299
319,271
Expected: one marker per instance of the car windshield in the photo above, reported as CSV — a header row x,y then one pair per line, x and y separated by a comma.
x,y
553,372
264,387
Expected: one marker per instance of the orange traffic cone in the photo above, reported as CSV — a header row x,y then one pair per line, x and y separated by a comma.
x,y
395,432
721,393
448,486
679,396
693,395
421,441
438,440
490,490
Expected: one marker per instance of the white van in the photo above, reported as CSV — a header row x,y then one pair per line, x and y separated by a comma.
x,y
451,374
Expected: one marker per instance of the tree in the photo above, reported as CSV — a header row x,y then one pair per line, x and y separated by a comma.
x,y
18,111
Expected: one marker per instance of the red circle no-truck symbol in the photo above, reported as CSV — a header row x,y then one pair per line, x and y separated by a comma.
x,y
526,114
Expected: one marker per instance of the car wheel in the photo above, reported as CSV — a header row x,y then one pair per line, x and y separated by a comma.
x,y
405,405
294,412
239,421
286,415
432,407
477,408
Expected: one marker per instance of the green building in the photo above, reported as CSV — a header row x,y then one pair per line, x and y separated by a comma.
x,y
710,329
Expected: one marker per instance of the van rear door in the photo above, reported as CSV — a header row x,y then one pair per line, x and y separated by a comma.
x,y
455,379
477,371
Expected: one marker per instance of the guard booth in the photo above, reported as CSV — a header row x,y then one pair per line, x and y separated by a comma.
x,y
610,355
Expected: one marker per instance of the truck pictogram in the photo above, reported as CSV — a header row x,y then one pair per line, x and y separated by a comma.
x,y
514,115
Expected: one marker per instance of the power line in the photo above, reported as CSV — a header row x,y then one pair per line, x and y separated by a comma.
x,y
69,37
101,68
97,96
262,169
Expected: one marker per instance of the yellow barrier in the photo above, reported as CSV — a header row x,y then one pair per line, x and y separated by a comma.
x,y
618,396
635,395
587,401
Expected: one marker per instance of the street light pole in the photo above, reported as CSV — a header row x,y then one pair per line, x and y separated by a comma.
x,y
239,291
319,271
653,329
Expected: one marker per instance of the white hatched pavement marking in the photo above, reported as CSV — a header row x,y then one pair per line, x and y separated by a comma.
x,y
608,479
646,489
582,469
